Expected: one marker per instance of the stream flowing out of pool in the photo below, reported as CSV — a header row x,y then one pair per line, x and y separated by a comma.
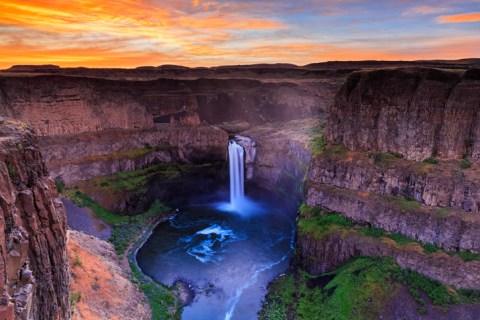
x,y
227,251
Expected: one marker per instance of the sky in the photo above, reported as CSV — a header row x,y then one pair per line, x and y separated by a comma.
x,y
131,33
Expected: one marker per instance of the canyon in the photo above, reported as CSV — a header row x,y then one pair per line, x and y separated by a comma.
x,y
391,146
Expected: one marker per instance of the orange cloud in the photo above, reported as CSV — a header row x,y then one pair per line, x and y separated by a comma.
x,y
460,18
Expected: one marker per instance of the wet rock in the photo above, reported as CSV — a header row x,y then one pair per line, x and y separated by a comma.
x,y
184,292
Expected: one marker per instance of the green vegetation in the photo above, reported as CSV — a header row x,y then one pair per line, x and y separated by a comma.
x,y
465,164
407,203
161,298
431,160
358,290
75,298
83,200
315,222
400,239
469,256
125,233
60,185
442,212
372,232
76,261
10,169
318,144
125,228
384,158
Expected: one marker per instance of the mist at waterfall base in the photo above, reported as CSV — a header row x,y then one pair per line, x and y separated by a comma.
x,y
227,250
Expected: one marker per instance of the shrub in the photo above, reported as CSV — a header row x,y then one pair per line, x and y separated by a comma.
x,y
373,232
465,164
60,185
11,169
431,160
318,144
429,248
400,239
75,298
76,261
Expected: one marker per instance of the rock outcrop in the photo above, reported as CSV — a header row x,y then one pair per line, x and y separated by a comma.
x,y
282,155
33,261
416,112
55,104
443,185
320,255
84,156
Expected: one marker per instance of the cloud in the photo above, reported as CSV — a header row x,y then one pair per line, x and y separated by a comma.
x,y
128,33
424,10
460,18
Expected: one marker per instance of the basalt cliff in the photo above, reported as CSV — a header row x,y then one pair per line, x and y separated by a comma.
x,y
33,261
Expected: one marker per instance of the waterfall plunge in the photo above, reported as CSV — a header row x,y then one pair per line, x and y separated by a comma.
x,y
235,155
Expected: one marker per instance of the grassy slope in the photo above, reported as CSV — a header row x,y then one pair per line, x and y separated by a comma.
x,y
126,230
359,289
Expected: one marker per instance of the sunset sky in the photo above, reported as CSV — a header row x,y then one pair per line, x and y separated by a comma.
x,y
130,33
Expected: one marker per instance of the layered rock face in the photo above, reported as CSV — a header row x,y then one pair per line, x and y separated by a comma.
x,y
337,248
71,105
416,112
84,156
278,155
388,120
33,262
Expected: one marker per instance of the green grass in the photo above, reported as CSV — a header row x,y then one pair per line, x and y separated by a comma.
x,y
400,239
469,256
407,203
372,232
315,222
318,144
124,233
125,228
465,164
161,298
431,160
83,200
357,290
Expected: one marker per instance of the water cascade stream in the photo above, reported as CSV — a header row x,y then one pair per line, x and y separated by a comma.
x,y
235,156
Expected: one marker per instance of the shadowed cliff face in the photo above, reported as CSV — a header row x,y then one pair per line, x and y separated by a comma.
x,y
416,112
33,261
67,105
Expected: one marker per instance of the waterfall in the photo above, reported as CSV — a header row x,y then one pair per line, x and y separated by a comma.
x,y
235,155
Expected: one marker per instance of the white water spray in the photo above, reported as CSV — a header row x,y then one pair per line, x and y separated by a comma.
x,y
235,155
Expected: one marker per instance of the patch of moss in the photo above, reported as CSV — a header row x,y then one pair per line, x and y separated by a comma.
x,y
161,298
358,290
125,233
407,203
431,160
317,223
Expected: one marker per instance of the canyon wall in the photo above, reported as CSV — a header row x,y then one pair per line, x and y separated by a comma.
x,y
280,156
33,262
56,104
417,112
380,125
84,156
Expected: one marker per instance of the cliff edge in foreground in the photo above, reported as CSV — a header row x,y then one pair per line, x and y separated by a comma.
x,y
33,260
